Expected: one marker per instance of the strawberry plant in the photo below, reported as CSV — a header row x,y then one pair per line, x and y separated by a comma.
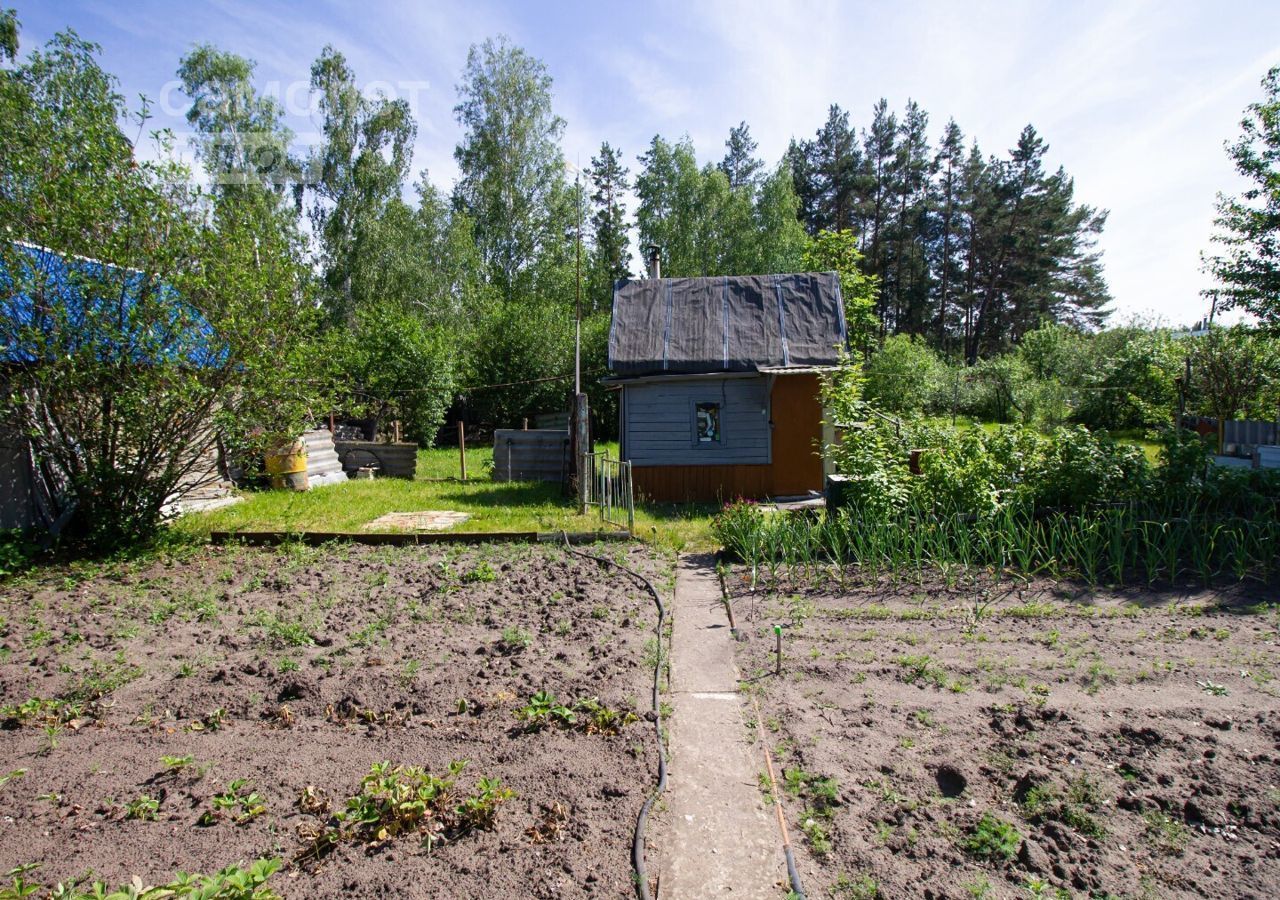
x,y
544,709
237,803
395,800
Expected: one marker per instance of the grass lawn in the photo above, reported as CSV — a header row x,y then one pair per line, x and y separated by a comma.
x,y
493,506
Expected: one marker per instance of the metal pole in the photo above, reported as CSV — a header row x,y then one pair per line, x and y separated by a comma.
x,y
577,282
462,448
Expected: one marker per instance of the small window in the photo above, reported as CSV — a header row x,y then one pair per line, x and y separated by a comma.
x,y
707,419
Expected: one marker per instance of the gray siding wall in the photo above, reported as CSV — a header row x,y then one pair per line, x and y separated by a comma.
x,y
659,423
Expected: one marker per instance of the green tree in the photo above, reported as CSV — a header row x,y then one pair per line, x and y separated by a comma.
x,y
669,190
610,251
1235,373
391,365
837,251
148,330
1035,251
740,164
512,181
780,239
947,248
706,226
241,137
1131,380
906,273
359,170
8,34
904,376
1248,268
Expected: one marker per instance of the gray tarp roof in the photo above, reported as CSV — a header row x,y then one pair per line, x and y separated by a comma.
x,y
725,324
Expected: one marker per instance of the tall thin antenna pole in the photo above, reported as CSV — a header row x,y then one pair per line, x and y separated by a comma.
x,y
577,337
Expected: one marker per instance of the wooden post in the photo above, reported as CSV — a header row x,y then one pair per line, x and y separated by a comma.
x,y
581,446
525,424
332,430
395,427
462,448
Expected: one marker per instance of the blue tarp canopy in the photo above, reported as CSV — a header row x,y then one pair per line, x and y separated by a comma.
x,y
54,305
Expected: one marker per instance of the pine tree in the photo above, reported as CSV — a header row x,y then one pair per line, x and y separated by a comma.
x,y
947,248
879,151
836,162
610,252
905,271
740,164
799,160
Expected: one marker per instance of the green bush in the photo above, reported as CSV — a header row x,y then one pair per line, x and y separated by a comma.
x,y
905,376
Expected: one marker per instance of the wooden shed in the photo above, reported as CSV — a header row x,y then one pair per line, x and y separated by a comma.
x,y
720,383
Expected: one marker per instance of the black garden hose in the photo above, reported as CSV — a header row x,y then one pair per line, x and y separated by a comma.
x,y
637,843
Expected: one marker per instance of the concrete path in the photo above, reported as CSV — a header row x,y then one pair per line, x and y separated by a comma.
x,y
721,841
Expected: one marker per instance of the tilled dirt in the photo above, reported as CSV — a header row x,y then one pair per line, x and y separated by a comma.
x,y
301,668
1128,742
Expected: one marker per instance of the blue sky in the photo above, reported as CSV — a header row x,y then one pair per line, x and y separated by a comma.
x,y
1135,98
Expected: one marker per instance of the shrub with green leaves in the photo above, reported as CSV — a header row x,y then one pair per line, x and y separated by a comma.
x,y
178,325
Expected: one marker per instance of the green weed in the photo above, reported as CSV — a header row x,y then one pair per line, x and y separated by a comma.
x,y
992,839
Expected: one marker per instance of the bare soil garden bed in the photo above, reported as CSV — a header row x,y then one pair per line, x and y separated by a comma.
x,y
187,714
1022,740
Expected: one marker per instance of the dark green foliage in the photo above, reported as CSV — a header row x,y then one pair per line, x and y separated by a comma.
x,y
396,800
610,253
1069,504
390,364
1235,373
971,251
1247,269
587,714
17,550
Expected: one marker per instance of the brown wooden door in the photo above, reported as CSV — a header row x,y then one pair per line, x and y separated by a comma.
x,y
796,410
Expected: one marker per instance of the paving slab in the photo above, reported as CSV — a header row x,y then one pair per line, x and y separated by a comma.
x,y
422,520
721,842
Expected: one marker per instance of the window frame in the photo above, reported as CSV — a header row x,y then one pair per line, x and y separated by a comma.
x,y
696,441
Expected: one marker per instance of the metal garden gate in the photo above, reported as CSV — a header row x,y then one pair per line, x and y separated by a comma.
x,y
608,488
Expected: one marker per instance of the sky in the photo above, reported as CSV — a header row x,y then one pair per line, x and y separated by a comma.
x,y
1135,98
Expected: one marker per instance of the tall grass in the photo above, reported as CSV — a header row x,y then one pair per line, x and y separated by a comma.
x,y
1118,545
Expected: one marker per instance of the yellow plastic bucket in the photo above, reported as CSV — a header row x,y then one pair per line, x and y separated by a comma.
x,y
287,467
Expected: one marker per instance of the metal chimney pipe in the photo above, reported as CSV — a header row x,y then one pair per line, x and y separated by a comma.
x,y
653,253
